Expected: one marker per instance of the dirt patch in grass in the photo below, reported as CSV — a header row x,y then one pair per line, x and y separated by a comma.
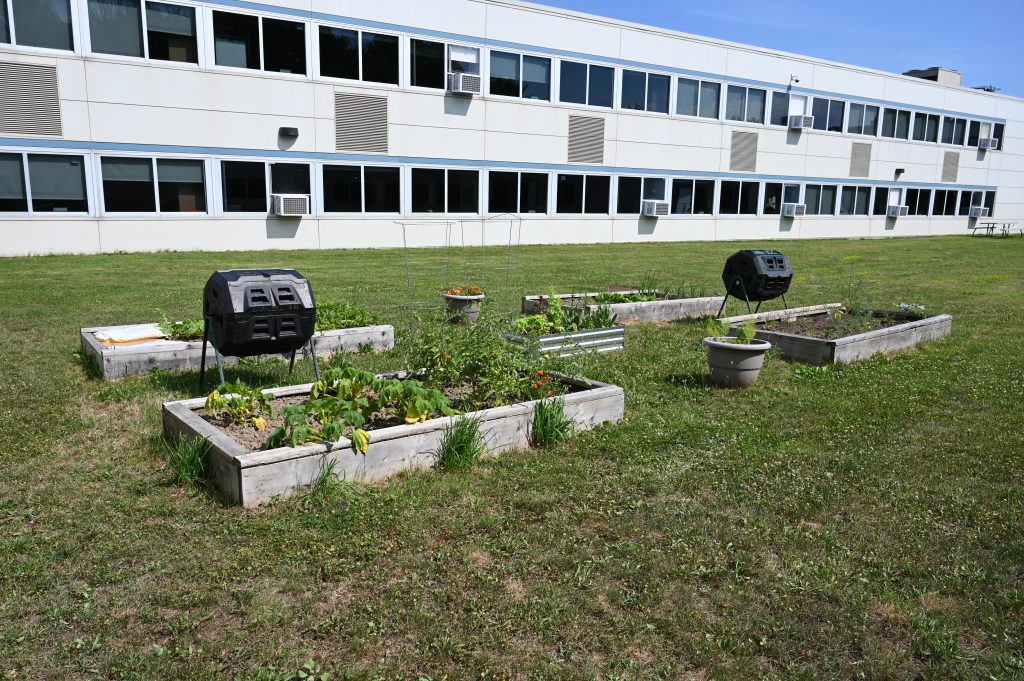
x,y
828,326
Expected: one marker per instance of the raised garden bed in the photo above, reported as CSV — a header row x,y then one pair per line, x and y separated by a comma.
x,y
250,478
117,361
813,334
573,342
662,309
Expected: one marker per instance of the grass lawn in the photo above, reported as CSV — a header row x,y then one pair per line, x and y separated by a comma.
x,y
857,522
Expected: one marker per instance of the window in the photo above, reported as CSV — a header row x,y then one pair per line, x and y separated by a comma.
x,y
354,55
926,127
463,59
115,27
508,191
181,185
12,184
965,203
776,194
699,98
533,193
43,23
974,133
379,54
351,189
289,178
863,120
57,183
738,198
953,130
586,84
244,184
171,33
630,192
440,191
780,109
5,31
576,194
854,200
885,197
917,201
693,197
284,46
990,203
128,185
896,124
820,199
533,83
828,114
463,191
236,40
427,64
745,104
427,190
998,130
944,202
643,91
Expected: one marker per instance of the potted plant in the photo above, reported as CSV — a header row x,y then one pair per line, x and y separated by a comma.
x,y
463,303
735,361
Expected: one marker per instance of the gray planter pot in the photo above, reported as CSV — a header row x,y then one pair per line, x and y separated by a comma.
x,y
735,365
463,308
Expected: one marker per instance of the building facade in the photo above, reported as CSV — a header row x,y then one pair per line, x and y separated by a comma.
x,y
134,125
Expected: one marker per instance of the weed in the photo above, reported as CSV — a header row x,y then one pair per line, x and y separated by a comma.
x,y
462,444
187,458
550,424
724,331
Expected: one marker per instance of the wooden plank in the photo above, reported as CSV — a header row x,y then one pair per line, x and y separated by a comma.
x,y
774,315
667,310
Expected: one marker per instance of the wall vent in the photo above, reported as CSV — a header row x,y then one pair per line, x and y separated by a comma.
x,y
743,155
360,123
586,139
29,99
860,160
950,166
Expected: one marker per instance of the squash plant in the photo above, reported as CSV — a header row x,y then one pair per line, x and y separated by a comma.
x,y
241,405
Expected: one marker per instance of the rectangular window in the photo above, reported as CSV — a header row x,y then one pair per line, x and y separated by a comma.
x,y
382,189
236,40
749,193
945,202
772,204
463,191
115,27
645,91
597,194
601,87
537,78
917,201
128,185
343,187
5,31
682,197
502,192
289,178
284,46
58,184
244,186
43,23
687,97
780,109
926,127
533,193
744,104
881,202
710,96
339,53
738,198
573,83
990,203
464,59
569,194
427,64
505,74
757,101
630,192
863,120
854,201
427,190
379,58
998,130
896,124
974,132
12,184
181,185
947,129
654,189
657,93
171,33
515,75
820,199
703,197
965,204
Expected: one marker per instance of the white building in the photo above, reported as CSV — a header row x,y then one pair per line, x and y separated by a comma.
x,y
134,125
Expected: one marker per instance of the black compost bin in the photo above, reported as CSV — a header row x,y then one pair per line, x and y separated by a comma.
x,y
757,275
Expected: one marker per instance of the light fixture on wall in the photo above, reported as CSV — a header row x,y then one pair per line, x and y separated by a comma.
x,y
288,132
793,79
900,171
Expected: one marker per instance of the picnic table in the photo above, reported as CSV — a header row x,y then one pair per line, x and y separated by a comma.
x,y
990,228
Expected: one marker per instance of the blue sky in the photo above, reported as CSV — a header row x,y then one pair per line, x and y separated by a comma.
x,y
980,38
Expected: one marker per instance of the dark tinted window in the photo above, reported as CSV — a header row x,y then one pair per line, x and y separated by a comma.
x,y
505,74
343,189
933,129
380,58
881,203
835,116
5,31
181,186
427,64
888,123
236,40
657,93
757,100
533,193
634,92
630,189
284,46
974,132
339,53
536,78
748,198
43,23
383,190
687,96
503,192
573,85
920,126
244,187
682,197
780,109
427,190
598,194
463,191
289,178
115,27
171,32
772,204
903,125
569,194
128,185
602,86
819,109
704,197
710,94
990,203
998,130
729,198
12,184
58,183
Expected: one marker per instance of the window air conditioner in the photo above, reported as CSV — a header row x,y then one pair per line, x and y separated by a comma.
x,y
654,209
801,122
979,212
988,143
897,212
464,84
793,210
290,205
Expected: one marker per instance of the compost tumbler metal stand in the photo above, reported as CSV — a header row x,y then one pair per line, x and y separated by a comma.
x,y
209,329
746,298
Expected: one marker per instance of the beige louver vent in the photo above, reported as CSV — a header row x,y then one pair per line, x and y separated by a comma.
x,y
860,160
586,139
360,123
29,99
744,152
950,166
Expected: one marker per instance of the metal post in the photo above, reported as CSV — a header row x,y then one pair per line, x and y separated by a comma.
x,y
202,361
291,363
216,352
316,365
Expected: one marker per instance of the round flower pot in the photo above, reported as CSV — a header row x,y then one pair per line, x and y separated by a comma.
x,y
735,365
463,308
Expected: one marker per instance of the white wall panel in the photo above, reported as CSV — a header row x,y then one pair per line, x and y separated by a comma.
x,y
41,236
222,234
537,27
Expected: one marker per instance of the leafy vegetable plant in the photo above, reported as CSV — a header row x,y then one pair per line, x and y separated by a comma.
x,y
557,318
188,329
241,405
332,315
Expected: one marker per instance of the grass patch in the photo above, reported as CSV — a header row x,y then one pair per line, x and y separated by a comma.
x,y
462,444
188,458
550,425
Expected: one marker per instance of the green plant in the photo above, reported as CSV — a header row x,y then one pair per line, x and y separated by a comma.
x,y
556,318
724,332
241,405
184,330
648,284
311,671
472,290
614,298
332,315
187,458
550,424
462,444
532,325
